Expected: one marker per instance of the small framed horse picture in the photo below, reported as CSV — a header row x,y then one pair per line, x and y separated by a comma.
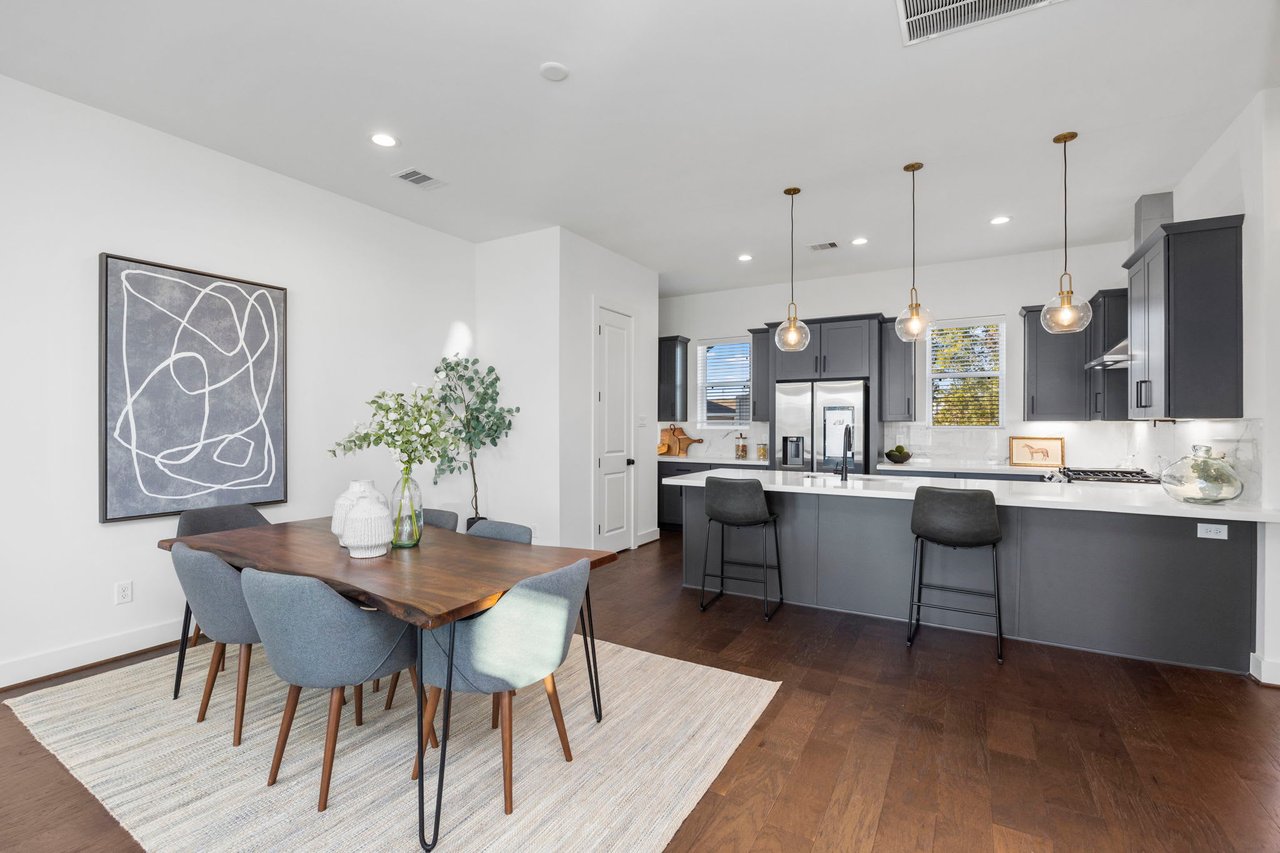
x,y
1036,452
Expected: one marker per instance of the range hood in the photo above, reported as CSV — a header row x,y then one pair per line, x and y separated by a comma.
x,y
1116,357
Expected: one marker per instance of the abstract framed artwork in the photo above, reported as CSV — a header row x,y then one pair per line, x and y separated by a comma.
x,y
191,390
1027,451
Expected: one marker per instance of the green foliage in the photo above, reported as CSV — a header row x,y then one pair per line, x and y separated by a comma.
x,y
468,396
411,426
960,355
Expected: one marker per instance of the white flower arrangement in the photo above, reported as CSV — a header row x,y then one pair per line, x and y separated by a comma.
x,y
411,426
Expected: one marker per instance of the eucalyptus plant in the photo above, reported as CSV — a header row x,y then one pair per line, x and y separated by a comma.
x,y
468,396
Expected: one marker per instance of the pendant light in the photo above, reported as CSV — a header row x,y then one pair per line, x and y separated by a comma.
x,y
914,320
1061,314
793,335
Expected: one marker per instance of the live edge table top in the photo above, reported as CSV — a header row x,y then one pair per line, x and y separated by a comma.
x,y
447,577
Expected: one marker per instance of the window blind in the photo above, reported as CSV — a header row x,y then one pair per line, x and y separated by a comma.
x,y
966,373
724,383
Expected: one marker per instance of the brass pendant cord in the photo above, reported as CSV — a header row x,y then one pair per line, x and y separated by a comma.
x,y
1064,208
793,249
913,236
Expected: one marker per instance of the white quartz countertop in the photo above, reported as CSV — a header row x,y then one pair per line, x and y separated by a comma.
x,y
960,467
1135,498
714,460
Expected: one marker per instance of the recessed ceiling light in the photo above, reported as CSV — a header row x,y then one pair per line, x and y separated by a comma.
x,y
999,220
744,257
859,241
385,140
553,71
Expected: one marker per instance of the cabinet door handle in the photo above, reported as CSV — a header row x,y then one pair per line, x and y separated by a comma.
x,y
824,364
815,364
1033,404
909,409
1097,402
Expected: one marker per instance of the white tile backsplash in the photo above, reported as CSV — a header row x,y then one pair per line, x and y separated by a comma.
x,y
1094,444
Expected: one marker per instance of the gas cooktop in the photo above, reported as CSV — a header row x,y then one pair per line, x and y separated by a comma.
x,y
1107,475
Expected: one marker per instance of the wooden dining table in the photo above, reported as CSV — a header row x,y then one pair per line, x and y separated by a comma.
x,y
448,576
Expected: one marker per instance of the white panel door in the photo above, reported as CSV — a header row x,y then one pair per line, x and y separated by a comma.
x,y
614,477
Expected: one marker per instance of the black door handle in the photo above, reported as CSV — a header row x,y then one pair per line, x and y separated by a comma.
x,y
815,364
631,461
824,364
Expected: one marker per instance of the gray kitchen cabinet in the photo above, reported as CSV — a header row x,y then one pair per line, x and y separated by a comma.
x,y
1056,385
761,376
839,348
897,376
1108,386
1186,325
673,378
845,349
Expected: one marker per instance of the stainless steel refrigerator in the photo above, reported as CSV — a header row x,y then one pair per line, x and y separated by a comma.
x,y
810,418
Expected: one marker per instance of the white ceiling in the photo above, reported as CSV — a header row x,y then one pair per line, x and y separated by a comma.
x,y
681,122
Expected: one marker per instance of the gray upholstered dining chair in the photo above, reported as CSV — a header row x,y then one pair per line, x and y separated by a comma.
x,y
442,518
214,595
521,640
503,530
194,522
316,638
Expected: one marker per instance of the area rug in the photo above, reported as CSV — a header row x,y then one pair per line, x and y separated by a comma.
x,y
669,727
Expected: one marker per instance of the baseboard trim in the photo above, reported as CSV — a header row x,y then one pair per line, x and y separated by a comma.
x,y
1264,671
68,659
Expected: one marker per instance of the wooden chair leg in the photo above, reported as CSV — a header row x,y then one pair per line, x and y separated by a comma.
x,y
493,718
554,699
391,690
431,728
428,727
505,704
330,745
359,691
286,724
377,685
219,649
195,635
242,688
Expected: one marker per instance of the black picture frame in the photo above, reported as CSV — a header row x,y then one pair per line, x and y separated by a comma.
x,y
222,404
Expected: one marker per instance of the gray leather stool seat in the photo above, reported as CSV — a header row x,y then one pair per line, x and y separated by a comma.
x,y
956,518
740,503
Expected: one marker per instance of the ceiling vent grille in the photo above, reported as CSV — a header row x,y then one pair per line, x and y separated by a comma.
x,y
418,179
822,247
922,20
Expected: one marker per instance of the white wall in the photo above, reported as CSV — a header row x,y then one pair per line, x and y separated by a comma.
x,y
518,320
373,303
592,276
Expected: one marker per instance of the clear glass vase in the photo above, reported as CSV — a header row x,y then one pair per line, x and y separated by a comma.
x,y
1201,478
406,512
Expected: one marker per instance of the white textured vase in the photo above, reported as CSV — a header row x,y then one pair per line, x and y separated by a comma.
x,y
366,530
347,499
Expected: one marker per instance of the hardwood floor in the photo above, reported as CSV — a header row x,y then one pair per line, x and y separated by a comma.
x,y
871,746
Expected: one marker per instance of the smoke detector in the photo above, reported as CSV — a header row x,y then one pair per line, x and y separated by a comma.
x,y
922,20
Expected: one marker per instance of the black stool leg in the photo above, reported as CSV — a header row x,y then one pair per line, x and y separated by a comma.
x,y
703,603
917,577
764,569
995,574
777,554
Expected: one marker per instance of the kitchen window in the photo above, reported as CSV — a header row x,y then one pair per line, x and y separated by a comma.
x,y
724,383
965,372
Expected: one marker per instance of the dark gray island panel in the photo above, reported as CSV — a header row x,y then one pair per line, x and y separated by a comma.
x,y
1141,586
1138,585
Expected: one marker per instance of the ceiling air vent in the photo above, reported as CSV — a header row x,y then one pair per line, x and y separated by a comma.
x,y
922,20
418,179
822,247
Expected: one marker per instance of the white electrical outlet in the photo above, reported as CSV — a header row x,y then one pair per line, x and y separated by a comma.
x,y
124,592
1211,531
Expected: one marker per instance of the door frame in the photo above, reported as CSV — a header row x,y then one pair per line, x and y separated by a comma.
x,y
596,308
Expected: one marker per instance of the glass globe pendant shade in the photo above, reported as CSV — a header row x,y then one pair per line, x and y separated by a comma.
x,y
913,322
1063,315
793,335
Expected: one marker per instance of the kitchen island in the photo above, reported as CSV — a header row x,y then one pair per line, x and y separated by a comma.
x,y
1110,567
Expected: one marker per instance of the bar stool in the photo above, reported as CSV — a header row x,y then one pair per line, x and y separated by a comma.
x,y
740,503
957,518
